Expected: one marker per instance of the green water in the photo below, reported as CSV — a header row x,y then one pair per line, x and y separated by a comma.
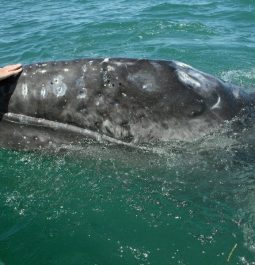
x,y
184,204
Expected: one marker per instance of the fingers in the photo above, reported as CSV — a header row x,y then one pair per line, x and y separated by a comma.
x,y
13,67
15,72
10,70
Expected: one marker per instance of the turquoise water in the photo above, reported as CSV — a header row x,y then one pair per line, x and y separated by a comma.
x,y
181,204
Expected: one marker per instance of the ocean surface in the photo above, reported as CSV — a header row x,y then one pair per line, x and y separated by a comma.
x,y
181,203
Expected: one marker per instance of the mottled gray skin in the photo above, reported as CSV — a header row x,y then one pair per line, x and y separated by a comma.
x,y
131,100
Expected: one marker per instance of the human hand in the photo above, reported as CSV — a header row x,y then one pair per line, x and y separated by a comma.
x,y
10,70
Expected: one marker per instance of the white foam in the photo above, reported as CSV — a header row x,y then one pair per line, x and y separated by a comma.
x,y
236,75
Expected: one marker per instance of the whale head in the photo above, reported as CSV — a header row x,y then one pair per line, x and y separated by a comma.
x,y
218,98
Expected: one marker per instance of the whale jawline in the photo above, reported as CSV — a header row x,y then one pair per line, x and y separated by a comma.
x,y
55,125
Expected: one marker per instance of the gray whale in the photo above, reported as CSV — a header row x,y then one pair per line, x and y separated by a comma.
x,y
118,100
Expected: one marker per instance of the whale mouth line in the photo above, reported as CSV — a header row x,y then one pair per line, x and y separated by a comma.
x,y
55,125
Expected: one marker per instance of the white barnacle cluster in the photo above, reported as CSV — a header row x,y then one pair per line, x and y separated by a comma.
x,y
40,68
110,68
43,91
106,60
145,80
89,66
105,78
84,68
42,71
82,93
58,86
24,90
